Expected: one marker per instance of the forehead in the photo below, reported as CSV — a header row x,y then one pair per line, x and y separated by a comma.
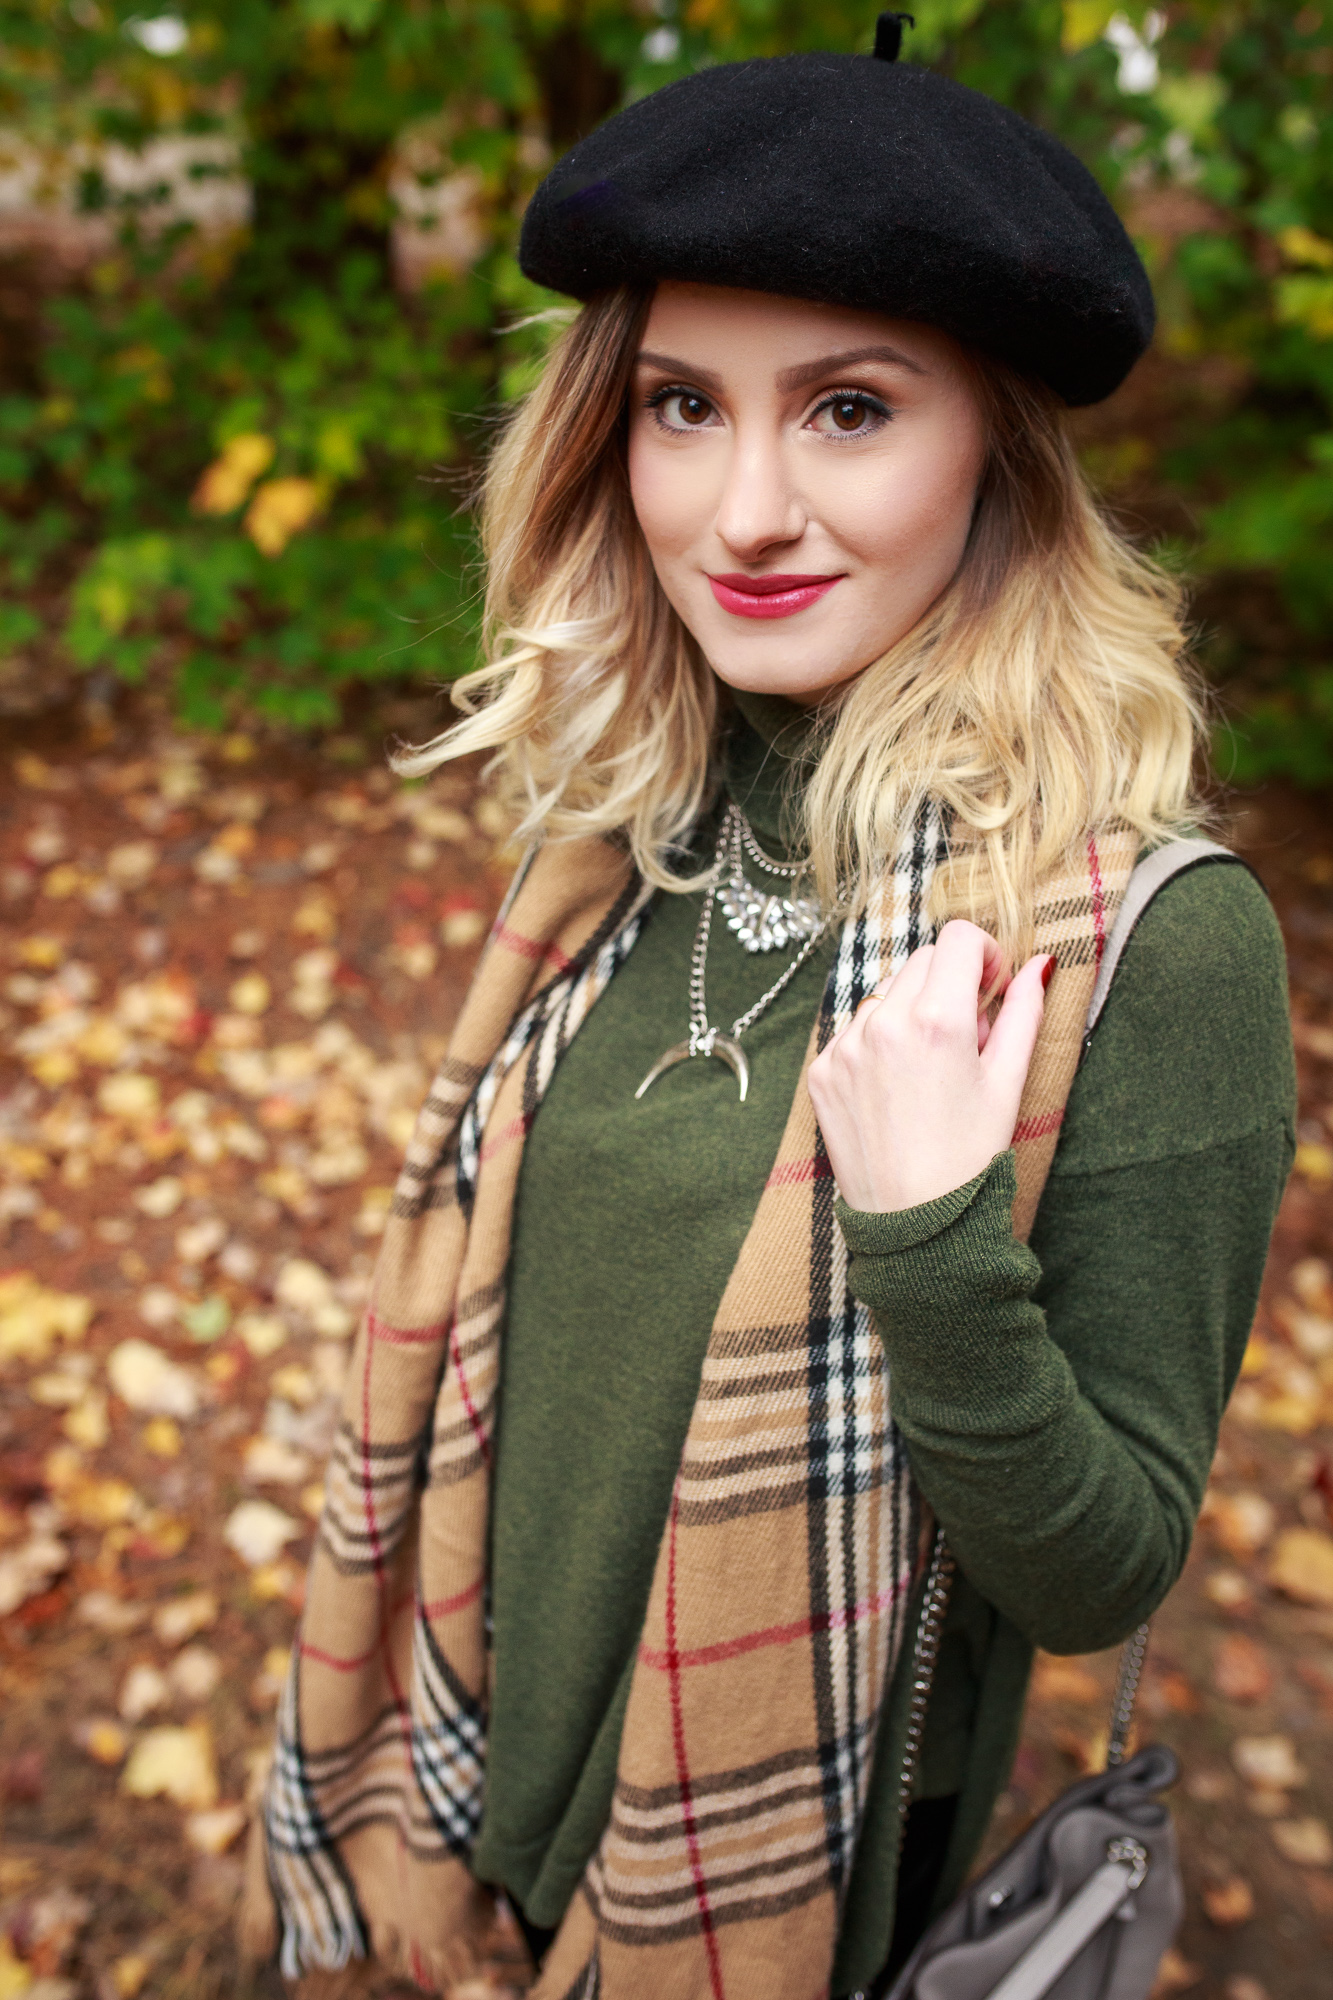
x,y
717,323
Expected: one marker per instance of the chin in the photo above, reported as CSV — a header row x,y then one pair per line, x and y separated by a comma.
x,y
789,674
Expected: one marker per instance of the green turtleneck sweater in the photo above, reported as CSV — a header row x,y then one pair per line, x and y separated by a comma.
x,y
1060,1402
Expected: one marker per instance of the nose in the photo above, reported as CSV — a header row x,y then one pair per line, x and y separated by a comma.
x,y
759,507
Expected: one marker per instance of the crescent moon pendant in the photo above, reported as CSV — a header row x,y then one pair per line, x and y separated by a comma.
x,y
723,1047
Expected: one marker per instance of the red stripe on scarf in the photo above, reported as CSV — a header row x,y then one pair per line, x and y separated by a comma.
x,y
401,1336
792,1173
1039,1127
377,1551
515,1129
534,948
442,1607
1098,899
683,1766
772,1635
348,1664
478,1428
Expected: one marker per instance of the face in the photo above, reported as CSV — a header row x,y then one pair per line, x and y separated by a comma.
x,y
804,478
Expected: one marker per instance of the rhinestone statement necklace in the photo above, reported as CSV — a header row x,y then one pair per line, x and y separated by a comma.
x,y
761,923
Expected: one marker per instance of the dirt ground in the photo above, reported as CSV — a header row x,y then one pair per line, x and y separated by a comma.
x,y
227,967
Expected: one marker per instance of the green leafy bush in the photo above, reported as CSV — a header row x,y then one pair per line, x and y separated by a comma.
x,y
244,458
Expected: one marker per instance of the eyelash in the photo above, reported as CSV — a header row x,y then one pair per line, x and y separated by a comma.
x,y
873,405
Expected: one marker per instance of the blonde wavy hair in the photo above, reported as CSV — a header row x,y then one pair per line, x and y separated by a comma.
x,y
1043,696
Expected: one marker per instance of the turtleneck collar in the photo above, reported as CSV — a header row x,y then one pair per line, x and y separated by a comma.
x,y
766,759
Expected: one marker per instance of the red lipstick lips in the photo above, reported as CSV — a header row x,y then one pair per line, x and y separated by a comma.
x,y
769,596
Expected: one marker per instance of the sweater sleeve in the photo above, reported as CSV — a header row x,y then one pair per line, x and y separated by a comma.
x,y
1061,1402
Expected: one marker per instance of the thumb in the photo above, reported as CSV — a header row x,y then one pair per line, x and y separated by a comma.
x,y
1008,1050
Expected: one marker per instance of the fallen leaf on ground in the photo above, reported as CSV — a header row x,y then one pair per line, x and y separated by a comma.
x,y
143,1689
85,1498
147,1379
130,1095
1241,1523
158,1200
1228,1590
161,1436
174,1763
194,1674
129,1974
270,1462
1228,1902
182,1617
208,1320
1170,1693
32,1317
1307,1842
87,1423
1312,1281
103,1739
196,1242
1314,1161
1241,1670
250,994
1175,1974
213,1832
1242,1986
294,1384
258,1532
1057,1679
1302,1565
1268,1760
159,1534
268,1683
110,1614
262,1333
29,1569
279,1581
1311,1333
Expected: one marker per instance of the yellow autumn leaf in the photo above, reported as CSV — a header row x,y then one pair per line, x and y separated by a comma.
x,y
279,510
1302,1565
1308,302
173,1763
224,484
15,1976
32,1317
1300,245
1085,21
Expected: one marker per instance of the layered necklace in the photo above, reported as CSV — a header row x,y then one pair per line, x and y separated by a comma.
x,y
763,921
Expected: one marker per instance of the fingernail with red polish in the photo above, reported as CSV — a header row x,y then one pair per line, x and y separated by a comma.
x,y
1046,972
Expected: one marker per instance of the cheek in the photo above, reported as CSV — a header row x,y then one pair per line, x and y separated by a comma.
x,y
666,500
914,508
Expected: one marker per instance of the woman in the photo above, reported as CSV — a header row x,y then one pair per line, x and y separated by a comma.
x,y
828,697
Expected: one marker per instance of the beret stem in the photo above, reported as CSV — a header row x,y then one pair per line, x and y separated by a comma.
x,y
889,35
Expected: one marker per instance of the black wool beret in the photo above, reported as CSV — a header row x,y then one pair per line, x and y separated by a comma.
x,y
857,182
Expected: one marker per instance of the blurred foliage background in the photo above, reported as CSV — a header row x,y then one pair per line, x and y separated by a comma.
x,y
259,313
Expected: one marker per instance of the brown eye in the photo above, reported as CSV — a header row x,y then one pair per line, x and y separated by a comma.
x,y
693,409
848,413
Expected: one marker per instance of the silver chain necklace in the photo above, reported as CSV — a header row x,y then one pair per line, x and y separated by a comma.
x,y
762,921
703,1040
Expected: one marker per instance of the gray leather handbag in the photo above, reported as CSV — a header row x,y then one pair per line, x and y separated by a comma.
x,y
1084,1903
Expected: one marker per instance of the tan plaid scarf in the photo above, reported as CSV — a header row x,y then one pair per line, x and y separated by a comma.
x,y
781,1587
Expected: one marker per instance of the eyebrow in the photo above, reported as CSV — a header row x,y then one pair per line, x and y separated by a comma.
x,y
830,364
788,378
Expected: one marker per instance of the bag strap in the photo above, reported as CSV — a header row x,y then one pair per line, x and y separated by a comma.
x,y
1150,876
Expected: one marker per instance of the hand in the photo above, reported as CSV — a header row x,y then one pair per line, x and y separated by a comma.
x,y
919,1092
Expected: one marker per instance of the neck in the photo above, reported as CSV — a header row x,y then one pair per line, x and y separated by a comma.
x,y
767,758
